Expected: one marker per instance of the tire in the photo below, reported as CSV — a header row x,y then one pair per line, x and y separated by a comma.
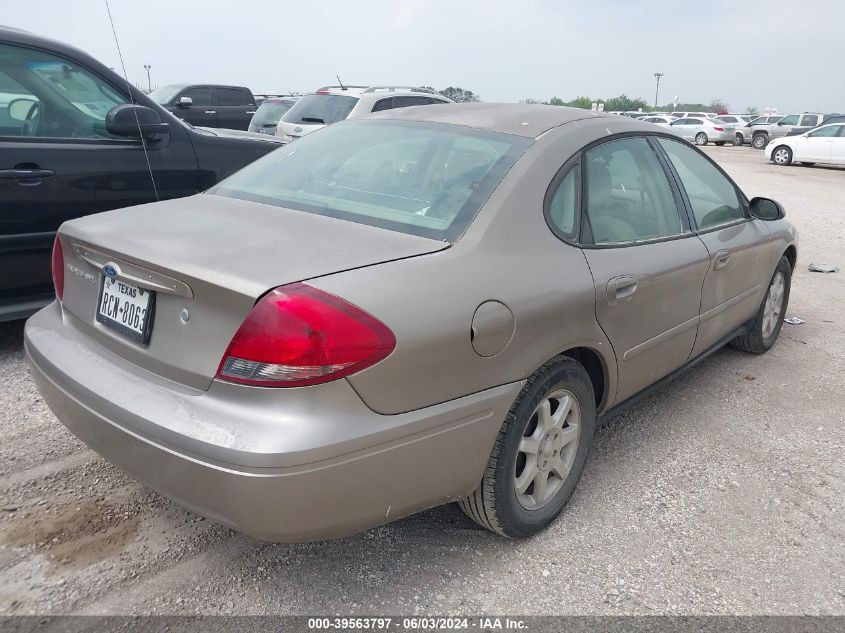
x,y
782,156
759,141
806,164
719,143
763,333
739,140
701,138
497,503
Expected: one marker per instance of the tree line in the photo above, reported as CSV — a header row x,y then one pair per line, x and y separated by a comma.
x,y
622,103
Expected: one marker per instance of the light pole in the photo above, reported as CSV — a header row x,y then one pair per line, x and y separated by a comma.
x,y
149,83
657,90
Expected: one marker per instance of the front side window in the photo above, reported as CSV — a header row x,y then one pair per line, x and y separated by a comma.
x,y
47,97
713,198
826,132
198,96
425,179
792,119
629,198
695,122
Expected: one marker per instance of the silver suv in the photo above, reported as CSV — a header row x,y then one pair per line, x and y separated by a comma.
x,y
763,134
331,104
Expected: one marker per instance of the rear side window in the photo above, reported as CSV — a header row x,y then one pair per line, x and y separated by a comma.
x,y
383,104
323,109
425,179
713,198
810,120
232,97
563,205
406,102
199,96
628,196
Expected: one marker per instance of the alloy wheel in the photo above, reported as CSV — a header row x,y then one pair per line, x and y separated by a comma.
x,y
773,306
547,449
701,138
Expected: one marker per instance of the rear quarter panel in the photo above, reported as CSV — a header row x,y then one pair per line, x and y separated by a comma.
x,y
508,255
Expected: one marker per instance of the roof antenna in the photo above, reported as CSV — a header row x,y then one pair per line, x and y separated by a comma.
x,y
132,101
342,87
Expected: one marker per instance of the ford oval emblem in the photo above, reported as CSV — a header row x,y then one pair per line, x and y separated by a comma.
x,y
111,270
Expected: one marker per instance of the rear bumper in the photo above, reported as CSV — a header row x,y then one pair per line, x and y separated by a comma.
x,y
278,464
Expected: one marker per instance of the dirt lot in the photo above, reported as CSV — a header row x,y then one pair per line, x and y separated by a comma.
x,y
724,493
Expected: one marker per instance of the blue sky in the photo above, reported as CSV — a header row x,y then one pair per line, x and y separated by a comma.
x,y
748,53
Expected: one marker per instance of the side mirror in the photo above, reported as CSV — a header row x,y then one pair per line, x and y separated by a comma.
x,y
19,108
767,209
134,121
185,102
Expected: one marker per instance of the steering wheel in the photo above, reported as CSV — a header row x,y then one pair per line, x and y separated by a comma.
x,y
32,120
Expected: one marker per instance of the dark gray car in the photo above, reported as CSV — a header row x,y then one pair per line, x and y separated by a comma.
x,y
429,305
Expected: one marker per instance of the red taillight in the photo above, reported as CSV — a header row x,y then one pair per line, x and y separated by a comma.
x,y
58,268
322,92
719,129
297,335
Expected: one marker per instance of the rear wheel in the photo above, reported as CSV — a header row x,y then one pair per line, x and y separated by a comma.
x,y
739,139
782,155
769,320
539,454
759,141
701,138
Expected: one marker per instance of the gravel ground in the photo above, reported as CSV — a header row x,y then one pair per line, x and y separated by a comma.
x,y
722,494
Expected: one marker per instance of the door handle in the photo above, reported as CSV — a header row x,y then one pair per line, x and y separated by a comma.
x,y
250,111
621,288
211,111
33,175
721,259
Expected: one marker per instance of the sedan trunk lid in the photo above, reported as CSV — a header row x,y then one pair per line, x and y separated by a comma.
x,y
209,258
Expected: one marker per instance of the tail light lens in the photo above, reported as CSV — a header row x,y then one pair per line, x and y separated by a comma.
x,y
298,335
58,268
719,129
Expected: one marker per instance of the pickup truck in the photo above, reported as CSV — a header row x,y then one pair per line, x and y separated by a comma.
x,y
208,105
763,134
75,139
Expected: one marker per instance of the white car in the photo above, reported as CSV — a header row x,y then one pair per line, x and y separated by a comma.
x,y
703,130
664,121
825,144
331,104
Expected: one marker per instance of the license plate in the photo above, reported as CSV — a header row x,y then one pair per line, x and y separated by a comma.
x,y
127,309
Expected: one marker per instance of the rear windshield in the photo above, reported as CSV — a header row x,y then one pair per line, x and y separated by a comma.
x,y
325,109
427,179
270,112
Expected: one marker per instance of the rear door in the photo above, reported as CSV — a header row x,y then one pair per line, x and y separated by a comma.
x,y
738,246
234,107
647,265
201,111
837,155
